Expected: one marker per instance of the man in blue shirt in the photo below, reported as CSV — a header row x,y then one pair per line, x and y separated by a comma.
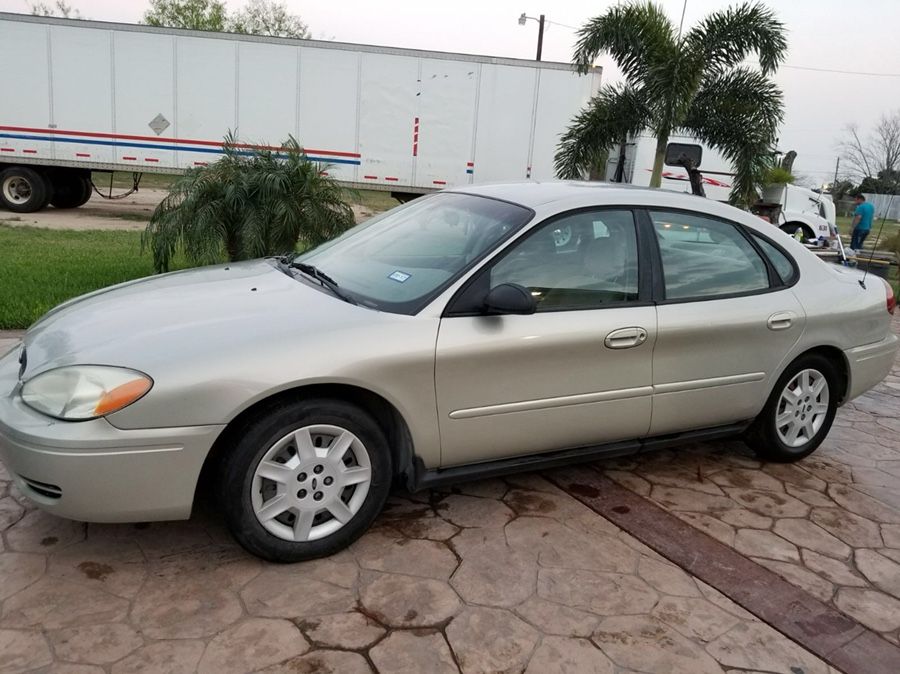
x,y
862,222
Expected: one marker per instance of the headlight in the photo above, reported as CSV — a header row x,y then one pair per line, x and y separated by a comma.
x,y
82,392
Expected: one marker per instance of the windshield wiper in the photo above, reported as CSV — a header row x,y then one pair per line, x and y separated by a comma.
x,y
323,278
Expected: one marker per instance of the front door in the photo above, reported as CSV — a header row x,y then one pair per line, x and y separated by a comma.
x,y
577,372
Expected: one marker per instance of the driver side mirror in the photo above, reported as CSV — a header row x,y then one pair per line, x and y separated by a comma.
x,y
509,298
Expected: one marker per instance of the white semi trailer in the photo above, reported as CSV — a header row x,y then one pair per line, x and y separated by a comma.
x,y
82,96
812,213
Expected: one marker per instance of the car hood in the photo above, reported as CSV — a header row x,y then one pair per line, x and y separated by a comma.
x,y
164,318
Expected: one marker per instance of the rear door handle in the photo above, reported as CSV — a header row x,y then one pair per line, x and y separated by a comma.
x,y
781,321
625,338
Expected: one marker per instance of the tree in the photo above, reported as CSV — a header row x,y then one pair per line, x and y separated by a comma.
x,y
58,8
879,151
192,14
692,83
247,205
886,182
259,17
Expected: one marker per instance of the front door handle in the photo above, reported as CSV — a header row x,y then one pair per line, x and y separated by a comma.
x,y
781,321
625,338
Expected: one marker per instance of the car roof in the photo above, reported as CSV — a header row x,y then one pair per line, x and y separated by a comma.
x,y
532,193
561,195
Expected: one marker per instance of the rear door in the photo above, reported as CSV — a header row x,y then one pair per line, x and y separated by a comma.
x,y
726,321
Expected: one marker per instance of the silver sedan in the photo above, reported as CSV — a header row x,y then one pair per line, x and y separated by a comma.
x,y
469,333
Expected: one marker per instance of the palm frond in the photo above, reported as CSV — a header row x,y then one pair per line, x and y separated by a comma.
x,y
739,112
725,38
636,35
615,113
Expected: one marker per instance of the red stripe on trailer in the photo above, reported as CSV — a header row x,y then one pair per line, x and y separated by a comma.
x,y
371,177
130,158
158,139
30,151
439,182
7,149
150,159
416,138
82,154
392,178
200,163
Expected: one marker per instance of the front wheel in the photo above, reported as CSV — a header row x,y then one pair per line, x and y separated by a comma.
x,y
799,412
792,228
305,480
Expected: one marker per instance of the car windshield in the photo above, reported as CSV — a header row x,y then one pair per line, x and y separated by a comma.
x,y
400,260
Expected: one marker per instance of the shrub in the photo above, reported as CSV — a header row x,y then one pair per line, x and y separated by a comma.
x,y
249,204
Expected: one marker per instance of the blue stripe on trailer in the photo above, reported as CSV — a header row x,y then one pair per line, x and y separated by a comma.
x,y
182,148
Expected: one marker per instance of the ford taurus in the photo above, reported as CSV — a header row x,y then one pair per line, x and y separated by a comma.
x,y
468,333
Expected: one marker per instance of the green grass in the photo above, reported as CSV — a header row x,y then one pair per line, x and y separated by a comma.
x,y
39,268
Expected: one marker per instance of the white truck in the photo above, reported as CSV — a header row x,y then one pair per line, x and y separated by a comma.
x,y
82,96
801,209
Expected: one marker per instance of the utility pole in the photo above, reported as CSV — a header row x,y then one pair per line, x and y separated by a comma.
x,y
837,165
540,45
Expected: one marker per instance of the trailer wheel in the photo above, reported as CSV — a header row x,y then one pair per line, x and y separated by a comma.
x,y
24,190
792,227
70,189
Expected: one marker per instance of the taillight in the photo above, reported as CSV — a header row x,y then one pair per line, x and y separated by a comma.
x,y
891,300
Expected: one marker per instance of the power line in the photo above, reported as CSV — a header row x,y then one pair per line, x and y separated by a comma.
x,y
832,70
840,72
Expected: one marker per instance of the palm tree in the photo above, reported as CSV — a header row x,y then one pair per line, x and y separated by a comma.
x,y
249,204
692,83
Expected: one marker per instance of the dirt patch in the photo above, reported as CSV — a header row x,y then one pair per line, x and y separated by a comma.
x,y
131,213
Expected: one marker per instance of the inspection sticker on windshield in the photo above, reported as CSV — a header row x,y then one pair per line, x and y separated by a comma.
x,y
399,276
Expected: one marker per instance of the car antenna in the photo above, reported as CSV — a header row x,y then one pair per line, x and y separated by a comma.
x,y
887,210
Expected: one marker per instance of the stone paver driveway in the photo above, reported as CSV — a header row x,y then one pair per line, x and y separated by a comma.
x,y
497,576
829,524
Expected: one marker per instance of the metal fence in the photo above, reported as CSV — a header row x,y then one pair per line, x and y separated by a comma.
x,y
886,205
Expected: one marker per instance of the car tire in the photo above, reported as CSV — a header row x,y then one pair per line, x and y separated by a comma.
x,y
287,488
24,190
792,426
792,227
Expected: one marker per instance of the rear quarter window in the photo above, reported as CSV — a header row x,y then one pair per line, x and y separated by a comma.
x,y
785,269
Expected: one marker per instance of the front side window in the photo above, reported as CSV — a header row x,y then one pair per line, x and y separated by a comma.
x,y
398,261
580,261
703,257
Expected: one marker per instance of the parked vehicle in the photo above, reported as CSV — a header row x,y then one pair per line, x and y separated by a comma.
x,y
447,339
800,208
117,97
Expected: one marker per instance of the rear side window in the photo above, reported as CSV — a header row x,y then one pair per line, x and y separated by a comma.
x,y
704,258
781,262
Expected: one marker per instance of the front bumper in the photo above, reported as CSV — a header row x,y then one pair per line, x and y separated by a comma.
x,y
93,471
870,364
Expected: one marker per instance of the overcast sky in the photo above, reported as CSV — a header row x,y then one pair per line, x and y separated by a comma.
x,y
829,34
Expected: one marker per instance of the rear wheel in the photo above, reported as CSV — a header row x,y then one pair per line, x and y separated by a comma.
x,y
71,189
24,190
305,480
799,413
